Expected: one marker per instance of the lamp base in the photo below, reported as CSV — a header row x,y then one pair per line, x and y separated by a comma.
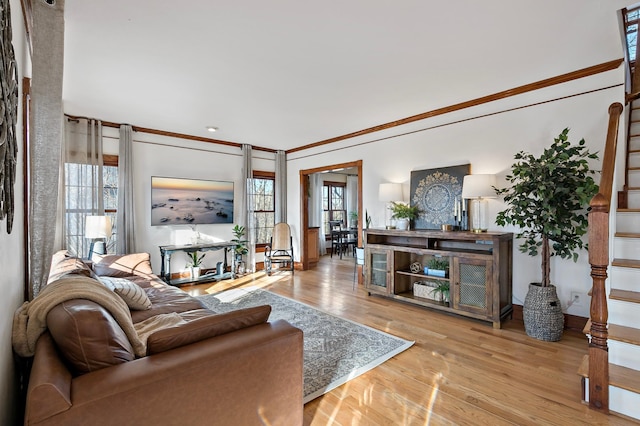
x,y
91,246
478,212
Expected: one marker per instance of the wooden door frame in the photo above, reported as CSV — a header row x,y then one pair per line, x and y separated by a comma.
x,y
304,204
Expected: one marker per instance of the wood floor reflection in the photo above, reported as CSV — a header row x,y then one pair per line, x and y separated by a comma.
x,y
459,371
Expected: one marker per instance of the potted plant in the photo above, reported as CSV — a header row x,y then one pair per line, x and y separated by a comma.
x,y
241,247
441,290
403,213
437,267
353,219
547,199
367,220
195,260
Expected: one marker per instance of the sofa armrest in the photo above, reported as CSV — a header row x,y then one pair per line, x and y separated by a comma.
x,y
206,327
49,391
249,376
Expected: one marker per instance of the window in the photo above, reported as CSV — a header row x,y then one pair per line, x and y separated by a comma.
x,y
333,203
79,203
263,193
110,188
632,21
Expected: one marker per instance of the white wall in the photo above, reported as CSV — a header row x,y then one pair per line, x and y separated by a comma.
x,y
170,157
489,145
11,245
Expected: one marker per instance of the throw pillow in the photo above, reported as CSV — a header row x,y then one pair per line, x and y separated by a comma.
x,y
122,266
87,336
134,296
205,328
63,264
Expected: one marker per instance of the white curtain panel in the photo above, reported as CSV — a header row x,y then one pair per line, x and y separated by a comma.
x,y
61,211
281,187
247,208
82,152
315,209
352,196
125,237
47,39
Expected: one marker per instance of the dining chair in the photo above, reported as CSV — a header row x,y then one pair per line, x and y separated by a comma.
x,y
337,245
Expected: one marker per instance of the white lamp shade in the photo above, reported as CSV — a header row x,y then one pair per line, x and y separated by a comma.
x,y
479,186
390,192
97,227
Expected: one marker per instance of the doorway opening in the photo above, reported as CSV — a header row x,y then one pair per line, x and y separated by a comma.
x,y
305,199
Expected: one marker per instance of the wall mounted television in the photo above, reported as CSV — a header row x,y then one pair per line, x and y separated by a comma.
x,y
179,201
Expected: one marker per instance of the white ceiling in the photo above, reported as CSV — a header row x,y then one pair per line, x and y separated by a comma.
x,y
286,73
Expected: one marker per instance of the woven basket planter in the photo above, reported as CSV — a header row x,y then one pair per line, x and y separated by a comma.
x,y
542,313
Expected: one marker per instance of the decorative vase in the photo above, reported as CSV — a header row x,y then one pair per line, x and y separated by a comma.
x,y
402,224
195,272
239,267
542,313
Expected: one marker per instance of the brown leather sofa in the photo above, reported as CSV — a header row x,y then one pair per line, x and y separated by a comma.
x,y
213,369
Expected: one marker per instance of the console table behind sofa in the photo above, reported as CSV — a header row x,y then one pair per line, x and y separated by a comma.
x,y
167,250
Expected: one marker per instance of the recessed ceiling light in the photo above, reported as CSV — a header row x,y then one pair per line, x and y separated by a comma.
x,y
212,129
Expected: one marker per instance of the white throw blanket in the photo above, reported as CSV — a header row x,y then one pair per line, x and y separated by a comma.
x,y
30,320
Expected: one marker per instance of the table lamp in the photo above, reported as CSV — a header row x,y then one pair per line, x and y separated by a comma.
x,y
478,188
97,228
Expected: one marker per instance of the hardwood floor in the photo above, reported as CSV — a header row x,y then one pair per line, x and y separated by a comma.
x,y
459,371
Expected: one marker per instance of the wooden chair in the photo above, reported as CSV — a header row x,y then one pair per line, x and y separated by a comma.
x,y
337,245
280,249
351,240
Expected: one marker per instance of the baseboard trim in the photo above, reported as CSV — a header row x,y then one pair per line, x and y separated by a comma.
x,y
571,322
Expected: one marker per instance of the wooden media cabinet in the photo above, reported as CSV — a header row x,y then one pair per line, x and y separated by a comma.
x,y
479,275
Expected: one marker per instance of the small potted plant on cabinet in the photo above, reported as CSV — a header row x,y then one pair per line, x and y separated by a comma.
x,y
441,291
547,199
437,267
195,260
367,220
403,213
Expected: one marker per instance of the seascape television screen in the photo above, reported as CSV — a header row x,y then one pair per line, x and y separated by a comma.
x,y
177,201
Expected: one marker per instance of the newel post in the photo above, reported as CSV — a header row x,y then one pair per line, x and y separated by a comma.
x,y
599,260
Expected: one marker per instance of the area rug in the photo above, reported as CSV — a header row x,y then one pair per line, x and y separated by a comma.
x,y
336,350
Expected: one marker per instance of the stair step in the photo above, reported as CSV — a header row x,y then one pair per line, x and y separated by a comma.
x,y
627,234
629,210
618,332
622,311
625,295
620,377
626,246
627,221
626,263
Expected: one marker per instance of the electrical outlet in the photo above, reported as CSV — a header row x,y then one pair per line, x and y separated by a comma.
x,y
576,298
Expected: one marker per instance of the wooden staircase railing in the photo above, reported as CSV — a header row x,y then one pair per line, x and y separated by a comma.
x,y
599,260
633,88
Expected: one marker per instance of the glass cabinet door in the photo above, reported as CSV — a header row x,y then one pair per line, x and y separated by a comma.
x,y
378,268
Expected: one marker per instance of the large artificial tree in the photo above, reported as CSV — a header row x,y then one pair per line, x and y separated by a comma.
x,y
547,199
